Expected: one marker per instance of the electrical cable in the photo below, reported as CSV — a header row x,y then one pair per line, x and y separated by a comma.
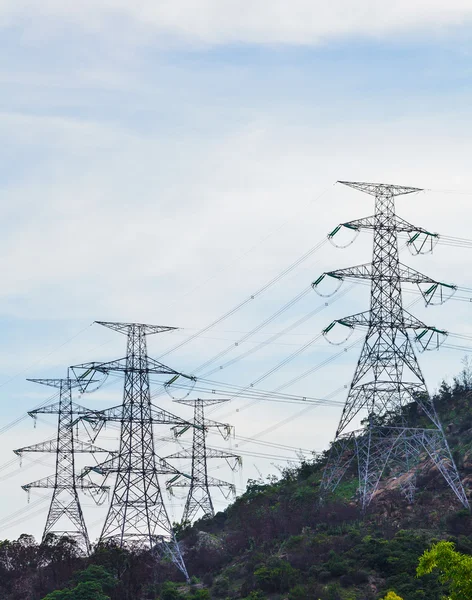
x,y
248,299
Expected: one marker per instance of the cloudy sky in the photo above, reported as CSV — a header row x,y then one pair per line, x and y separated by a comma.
x,y
162,161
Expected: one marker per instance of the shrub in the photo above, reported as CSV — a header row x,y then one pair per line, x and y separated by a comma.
x,y
169,591
220,587
298,593
201,594
277,576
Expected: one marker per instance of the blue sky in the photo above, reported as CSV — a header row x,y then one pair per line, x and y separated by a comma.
x,y
161,163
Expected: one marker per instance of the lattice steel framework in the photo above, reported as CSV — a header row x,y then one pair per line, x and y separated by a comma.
x,y
137,514
388,377
199,498
65,515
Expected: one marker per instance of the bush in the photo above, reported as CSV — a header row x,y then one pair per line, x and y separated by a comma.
x,y
220,587
298,593
277,576
201,594
336,565
169,591
256,595
97,574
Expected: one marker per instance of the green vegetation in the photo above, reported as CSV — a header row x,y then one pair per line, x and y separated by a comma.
x,y
277,542
455,569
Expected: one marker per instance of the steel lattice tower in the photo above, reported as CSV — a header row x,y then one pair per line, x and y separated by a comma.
x,y
65,514
137,514
388,377
199,497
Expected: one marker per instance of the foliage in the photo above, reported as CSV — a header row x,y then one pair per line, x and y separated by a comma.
x,y
454,569
278,541
89,590
220,587
275,576
201,594
97,574
169,591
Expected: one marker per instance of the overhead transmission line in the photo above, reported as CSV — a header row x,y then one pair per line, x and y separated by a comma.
x,y
268,341
250,298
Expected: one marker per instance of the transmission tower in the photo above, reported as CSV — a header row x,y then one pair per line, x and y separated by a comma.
x,y
137,514
388,377
199,497
65,514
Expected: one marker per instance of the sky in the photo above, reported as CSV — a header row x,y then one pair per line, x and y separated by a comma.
x,y
162,161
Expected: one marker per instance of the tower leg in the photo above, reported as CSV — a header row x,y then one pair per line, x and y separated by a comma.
x,y
435,444
341,455
65,504
373,450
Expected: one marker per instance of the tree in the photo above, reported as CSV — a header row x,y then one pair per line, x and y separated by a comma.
x,y
454,569
89,590
97,574
392,596
91,584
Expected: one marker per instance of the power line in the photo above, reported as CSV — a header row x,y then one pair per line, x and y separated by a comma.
x,y
250,298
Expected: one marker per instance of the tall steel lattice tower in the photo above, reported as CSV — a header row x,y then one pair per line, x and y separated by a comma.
x,y
137,515
199,498
65,514
388,377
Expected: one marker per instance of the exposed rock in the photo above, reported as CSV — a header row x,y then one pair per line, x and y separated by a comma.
x,y
467,462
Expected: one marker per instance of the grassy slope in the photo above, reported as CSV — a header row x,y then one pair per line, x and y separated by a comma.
x,y
276,541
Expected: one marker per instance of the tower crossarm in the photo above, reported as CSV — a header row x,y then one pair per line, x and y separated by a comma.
x,y
214,482
363,319
214,453
165,468
381,189
57,383
53,409
408,275
149,365
104,468
97,418
224,428
217,425
45,482
145,366
395,224
157,416
405,274
357,272
51,446
210,453
143,327
112,465
203,401
211,482
186,453
50,482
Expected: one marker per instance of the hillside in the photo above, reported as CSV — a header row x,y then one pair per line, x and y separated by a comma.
x,y
276,540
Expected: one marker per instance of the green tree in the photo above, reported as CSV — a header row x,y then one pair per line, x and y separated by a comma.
x,y
97,574
90,590
170,591
392,596
454,569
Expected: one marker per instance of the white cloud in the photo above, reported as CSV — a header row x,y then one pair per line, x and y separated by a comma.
x,y
252,21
